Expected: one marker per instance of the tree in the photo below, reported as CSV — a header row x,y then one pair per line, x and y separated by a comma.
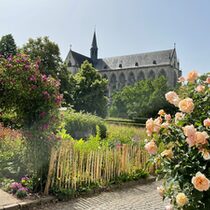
x,y
90,91
143,99
47,52
7,46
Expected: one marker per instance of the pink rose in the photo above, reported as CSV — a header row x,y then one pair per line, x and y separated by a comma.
x,y
153,125
151,147
207,80
186,105
200,88
189,132
200,182
172,98
192,76
168,117
206,122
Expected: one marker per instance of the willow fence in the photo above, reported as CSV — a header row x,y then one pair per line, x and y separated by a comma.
x,y
70,167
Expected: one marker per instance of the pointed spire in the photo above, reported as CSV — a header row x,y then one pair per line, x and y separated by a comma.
x,y
94,49
94,42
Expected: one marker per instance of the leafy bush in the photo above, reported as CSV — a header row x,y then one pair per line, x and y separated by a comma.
x,y
80,125
181,145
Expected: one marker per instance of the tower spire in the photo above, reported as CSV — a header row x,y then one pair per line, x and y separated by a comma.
x,y
94,49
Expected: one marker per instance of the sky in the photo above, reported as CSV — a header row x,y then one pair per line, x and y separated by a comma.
x,y
123,27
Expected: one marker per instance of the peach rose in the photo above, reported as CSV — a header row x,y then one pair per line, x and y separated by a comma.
x,y
181,79
161,112
149,126
207,80
181,199
172,98
206,122
201,137
161,190
157,124
200,88
186,105
206,155
192,76
165,125
178,116
151,147
190,132
200,182
167,153
169,207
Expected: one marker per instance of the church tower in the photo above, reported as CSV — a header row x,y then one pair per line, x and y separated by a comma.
x,y
94,49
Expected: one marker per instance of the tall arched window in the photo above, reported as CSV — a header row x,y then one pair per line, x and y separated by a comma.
x,y
140,76
113,82
131,78
162,73
121,81
174,78
151,75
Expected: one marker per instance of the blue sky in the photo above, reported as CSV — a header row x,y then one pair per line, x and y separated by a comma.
x,y
123,26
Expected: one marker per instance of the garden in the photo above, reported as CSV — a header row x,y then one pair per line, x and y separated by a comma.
x,y
74,151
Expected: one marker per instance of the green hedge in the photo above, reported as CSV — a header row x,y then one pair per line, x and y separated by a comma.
x,y
80,125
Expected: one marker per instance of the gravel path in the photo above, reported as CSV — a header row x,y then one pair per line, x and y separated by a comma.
x,y
140,197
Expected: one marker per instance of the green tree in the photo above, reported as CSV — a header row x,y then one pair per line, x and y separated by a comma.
x,y
45,51
90,91
143,99
7,46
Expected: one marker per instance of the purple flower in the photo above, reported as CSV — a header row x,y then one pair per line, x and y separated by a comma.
x,y
15,186
23,189
32,78
44,77
46,94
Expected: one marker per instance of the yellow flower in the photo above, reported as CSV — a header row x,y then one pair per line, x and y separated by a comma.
x,y
167,153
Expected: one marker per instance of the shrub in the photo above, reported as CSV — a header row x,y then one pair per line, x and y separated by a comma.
x,y
80,125
181,145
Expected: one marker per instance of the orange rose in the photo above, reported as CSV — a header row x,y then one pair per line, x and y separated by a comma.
x,y
151,147
192,76
200,182
181,199
186,105
206,122
172,98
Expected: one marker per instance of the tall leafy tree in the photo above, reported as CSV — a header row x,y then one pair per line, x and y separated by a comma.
x,y
144,99
47,52
90,91
7,46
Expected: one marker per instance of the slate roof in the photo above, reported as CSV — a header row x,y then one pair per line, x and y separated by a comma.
x,y
80,58
130,61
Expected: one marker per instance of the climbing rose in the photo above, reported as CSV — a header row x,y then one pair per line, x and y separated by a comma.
x,y
178,116
167,153
201,137
207,80
151,147
192,76
161,112
181,199
186,105
200,182
181,79
153,125
190,132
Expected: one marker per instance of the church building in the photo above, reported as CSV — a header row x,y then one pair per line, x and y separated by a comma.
x,y
126,70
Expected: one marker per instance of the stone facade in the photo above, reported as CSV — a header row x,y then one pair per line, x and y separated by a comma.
x,y
126,70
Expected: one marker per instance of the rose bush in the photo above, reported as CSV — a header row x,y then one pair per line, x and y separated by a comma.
x,y
181,145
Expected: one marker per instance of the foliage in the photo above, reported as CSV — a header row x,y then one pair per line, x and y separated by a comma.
x,y
12,149
81,125
143,99
181,145
47,52
7,46
119,134
25,91
90,91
